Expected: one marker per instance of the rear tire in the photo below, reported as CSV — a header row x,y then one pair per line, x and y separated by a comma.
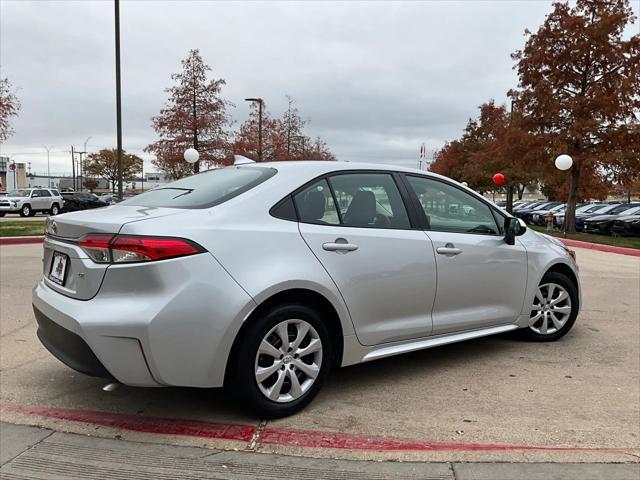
x,y
25,211
55,210
554,310
2,214
269,375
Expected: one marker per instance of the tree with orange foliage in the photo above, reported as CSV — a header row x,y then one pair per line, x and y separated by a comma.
x,y
282,138
194,116
495,142
579,84
9,107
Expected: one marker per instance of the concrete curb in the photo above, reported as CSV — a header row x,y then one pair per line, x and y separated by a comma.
x,y
21,240
634,252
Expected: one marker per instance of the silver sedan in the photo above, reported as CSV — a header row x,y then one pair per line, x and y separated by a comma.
x,y
263,277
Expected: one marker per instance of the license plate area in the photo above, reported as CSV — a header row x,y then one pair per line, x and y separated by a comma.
x,y
59,266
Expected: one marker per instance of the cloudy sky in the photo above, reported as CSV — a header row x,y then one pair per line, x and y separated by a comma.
x,y
375,79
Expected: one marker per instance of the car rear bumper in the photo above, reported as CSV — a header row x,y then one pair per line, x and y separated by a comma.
x,y
162,323
69,348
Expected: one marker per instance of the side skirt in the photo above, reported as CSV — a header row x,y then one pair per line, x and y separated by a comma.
x,y
356,353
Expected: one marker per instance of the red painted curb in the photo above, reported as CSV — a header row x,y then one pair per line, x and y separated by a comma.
x,y
269,436
602,248
21,240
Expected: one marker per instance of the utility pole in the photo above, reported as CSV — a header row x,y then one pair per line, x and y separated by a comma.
x,y
260,105
83,163
73,168
116,4
48,149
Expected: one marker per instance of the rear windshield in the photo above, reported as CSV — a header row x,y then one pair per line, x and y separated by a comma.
x,y
205,189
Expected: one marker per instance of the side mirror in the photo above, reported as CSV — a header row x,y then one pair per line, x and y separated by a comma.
x,y
512,228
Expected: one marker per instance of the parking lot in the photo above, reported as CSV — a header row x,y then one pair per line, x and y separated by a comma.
x,y
490,399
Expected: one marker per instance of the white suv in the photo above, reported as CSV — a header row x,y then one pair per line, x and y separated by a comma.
x,y
28,201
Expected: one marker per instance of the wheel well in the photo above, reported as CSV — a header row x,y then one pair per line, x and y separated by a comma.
x,y
564,270
308,298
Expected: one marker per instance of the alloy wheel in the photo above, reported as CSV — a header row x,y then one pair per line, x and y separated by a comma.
x,y
288,360
550,310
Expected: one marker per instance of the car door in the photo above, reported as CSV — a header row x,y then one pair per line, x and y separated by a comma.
x,y
44,200
481,279
357,225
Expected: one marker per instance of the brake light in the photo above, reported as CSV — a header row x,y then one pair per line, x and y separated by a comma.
x,y
134,248
97,247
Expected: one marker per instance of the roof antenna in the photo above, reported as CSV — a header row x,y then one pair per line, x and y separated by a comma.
x,y
240,160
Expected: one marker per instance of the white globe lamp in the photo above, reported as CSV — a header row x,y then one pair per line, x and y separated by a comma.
x,y
191,155
564,162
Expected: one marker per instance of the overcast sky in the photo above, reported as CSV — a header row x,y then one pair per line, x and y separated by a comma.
x,y
375,79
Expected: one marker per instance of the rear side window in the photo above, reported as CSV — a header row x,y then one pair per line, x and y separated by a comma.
x,y
315,204
205,189
55,193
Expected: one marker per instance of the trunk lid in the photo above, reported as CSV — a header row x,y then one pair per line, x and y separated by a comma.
x,y
81,276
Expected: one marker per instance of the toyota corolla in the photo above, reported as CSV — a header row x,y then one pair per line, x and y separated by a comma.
x,y
263,277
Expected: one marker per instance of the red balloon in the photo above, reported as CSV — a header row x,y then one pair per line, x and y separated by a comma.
x,y
498,179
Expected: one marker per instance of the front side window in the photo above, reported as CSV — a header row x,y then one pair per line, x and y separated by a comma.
x,y
205,189
450,209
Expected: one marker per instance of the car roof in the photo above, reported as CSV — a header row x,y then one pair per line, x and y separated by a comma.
x,y
320,167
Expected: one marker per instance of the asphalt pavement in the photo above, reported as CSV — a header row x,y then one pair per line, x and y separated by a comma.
x,y
489,400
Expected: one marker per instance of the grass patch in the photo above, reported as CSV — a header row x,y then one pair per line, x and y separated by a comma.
x,y
18,228
627,242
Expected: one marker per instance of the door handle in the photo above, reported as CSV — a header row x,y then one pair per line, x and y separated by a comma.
x,y
339,246
449,249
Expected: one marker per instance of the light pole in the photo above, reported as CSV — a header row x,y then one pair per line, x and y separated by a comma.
x,y
116,5
81,165
564,162
300,137
260,106
191,155
48,149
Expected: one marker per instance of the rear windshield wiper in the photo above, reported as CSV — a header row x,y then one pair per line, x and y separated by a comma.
x,y
186,191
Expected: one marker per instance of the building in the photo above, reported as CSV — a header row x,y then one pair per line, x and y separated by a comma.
x,y
12,178
154,179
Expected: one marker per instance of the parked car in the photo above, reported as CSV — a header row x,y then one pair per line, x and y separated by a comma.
x,y
558,219
601,224
526,213
626,226
539,217
527,204
262,277
74,201
607,209
28,201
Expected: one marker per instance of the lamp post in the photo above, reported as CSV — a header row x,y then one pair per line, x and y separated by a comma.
x,y
302,138
564,162
116,6
191,155
260,103
48,149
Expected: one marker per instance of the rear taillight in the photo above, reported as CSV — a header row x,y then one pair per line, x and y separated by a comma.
x,y
134,248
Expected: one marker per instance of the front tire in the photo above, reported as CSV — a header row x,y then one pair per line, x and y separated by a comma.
x,y
554,310
281,361
25,211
